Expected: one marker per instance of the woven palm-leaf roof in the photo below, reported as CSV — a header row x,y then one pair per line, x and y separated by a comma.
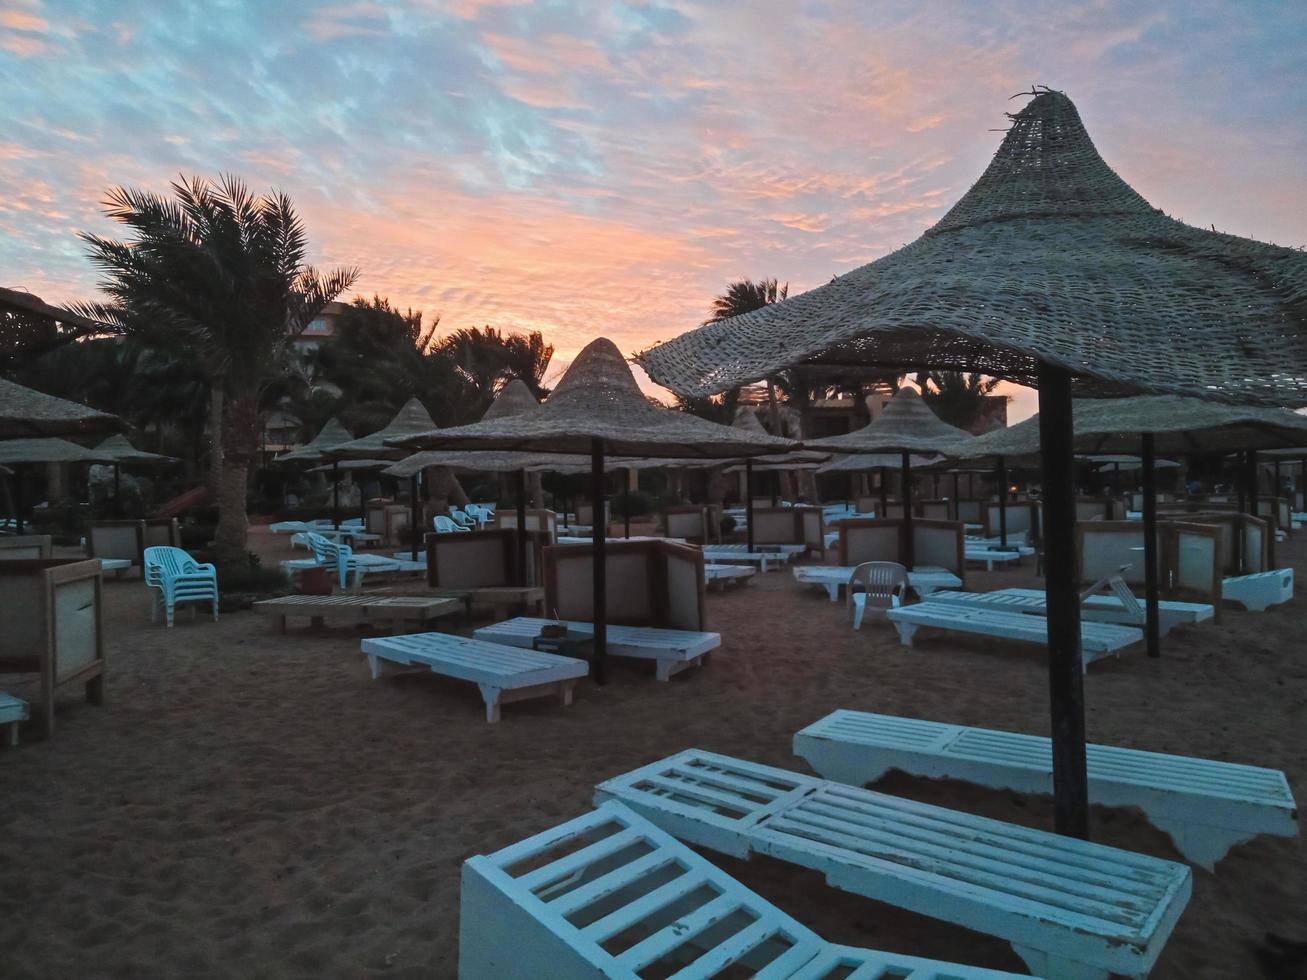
x,y
906,424
27,412
355,464
1049,257
1178,425
487,461
119,450
48,450
598,399
874,461
409,420
333,434
513,399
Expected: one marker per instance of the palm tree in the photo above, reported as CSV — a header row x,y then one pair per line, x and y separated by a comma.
x,y
488,359
216,276
958,398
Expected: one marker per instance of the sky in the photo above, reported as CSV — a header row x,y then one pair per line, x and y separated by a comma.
x,y
605,169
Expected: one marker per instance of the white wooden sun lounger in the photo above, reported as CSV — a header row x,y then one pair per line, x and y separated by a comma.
x,y
1097,640
989,556
723,575
12,711
609,895
1070,908
924,580
671,650
1095,608
1204,805
503,673
1260,590
379,610
764,555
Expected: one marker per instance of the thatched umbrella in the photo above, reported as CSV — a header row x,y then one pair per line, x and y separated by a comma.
x,y
881,462
905,426
412,417
25,413
330,436
17,453
122,453
597,409
1053,272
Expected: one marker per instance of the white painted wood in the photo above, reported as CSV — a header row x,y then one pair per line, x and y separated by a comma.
x,y
1097,640
1087,909
765,555
1097,608
990,556
609,895
924,579
1260,590
13,710
1206,805
503,673
671,650
719,576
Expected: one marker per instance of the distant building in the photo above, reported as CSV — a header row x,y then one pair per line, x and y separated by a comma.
x,y
321,328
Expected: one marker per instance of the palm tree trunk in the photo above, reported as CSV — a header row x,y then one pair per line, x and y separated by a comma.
x,y
774,413
215,439
240,441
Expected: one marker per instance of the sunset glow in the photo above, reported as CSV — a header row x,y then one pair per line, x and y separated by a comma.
x,y
605,169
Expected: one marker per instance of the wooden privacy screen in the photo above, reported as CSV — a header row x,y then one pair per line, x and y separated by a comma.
x,y
19,546
1022,515
788,525
940,544
50,625
1192,561
537,519
1246,541
650,583
934,510
1096,509
129,539
481,559
689,522
585,514
969,511
1103,547
868,505
1277,510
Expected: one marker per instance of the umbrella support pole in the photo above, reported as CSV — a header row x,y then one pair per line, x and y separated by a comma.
x,y
335,493
748,504
909,548
957,497
1062,597
1001,476
520,537
415,531
117,489
626,507
884,495
599,575
1152,630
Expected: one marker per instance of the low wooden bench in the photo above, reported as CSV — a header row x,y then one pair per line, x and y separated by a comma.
x,y
1206,806
1097,640
609,895
504,674
12,712
671,650
390,611
1095,608
1070,908
1260,590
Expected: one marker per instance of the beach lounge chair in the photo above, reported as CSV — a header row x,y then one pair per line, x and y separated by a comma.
x,y
447,525
1204,805
991,555
502,673
1096,608
609,895
875,585
177,577
376,610
764,556
672,651
12,711
350,568
1260,590
1070,908
923,579
1097,640
719,576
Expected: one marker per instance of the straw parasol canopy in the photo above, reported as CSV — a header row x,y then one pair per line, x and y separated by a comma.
x,y
346,465
1178,425
333,434
1125,462
905,425
410,420
48,450
17,301
873,461
121,452
25,412
1050,257
598,399
513,399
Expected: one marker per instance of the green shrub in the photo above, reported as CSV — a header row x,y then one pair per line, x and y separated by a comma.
x,y
196,536
637,502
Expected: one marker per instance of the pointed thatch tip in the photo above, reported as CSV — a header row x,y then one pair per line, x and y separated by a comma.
x,y
513,399
600,365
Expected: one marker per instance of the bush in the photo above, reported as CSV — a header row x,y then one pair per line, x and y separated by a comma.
x,y
638,502
728,525
196,536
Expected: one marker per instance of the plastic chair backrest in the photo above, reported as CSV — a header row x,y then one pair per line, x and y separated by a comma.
x,y
881,580
444,525
165,561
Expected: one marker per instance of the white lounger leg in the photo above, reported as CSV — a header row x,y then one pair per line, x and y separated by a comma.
x,y
492,696
1202,844
907,631
833,590
1043,964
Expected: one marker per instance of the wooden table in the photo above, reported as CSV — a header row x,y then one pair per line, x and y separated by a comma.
x,y
360,608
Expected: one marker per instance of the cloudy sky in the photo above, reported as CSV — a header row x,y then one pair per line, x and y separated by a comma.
x,y
596,169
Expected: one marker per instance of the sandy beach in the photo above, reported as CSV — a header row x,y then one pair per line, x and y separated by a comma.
x,y
248,804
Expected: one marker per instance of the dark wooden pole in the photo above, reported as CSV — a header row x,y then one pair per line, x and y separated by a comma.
x,y
626,504
1062,598
1001,475
1152,627
748,504
117,491
957,498
19,472
1240,480
519,481
599,545
909,548
335,493
883,474
414,512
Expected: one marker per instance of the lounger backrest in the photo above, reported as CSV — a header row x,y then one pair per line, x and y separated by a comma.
x,y
880,580
15,547
649,583
1104,547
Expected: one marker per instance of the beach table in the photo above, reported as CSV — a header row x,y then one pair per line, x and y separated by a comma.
x,y
12,711
355,608
832,578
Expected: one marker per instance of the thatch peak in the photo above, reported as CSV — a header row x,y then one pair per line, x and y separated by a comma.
x,y
514,398
599,370
906,424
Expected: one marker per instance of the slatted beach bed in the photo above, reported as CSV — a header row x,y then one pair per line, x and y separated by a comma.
x,y
503,674
1095,608
389,611
1070,908
722,575
764,555
1258,591
1097,640
1206,806
13,711
671,650
609,895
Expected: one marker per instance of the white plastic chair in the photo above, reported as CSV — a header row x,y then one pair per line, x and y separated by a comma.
x,y
446,525
875,585
466,521
177,577
341,557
